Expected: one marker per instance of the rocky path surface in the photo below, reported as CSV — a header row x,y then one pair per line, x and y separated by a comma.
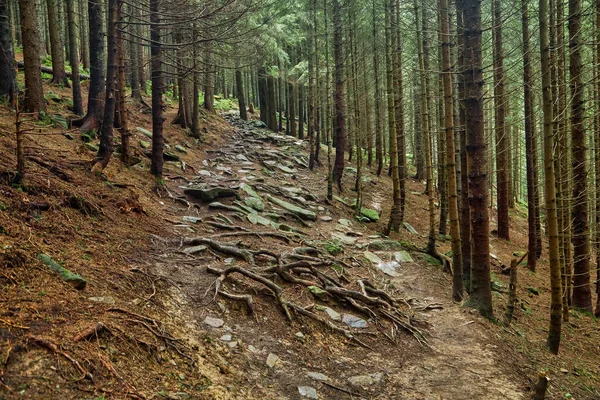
x,y
259,182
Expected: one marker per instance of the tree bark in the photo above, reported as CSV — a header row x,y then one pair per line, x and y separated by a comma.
x,y
34,96
91,122
74,58
8,76
157,90
340,143
481,296
457,272
549,190
106,138
501,133
57,49
582,296
240,94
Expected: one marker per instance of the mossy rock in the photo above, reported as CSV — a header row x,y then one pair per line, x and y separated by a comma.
x,y
333,248
431,260
145,132
385,245
144,144
372,215
71,278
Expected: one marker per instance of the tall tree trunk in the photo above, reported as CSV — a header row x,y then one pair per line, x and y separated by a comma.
x,y
530,143
34,96
465,211
582,296
271,108
209,80
74,58
327,116
8,77
399,112
240,94
300,111
378,127
480,296
597,158
262,94
157,90
395,213
340,135
91,122
457,272
133,55
196,88
57,49
106,137
501,133
311,86
121,107
549,190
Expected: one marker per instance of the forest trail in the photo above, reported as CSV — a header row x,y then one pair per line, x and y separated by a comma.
x,y
262,355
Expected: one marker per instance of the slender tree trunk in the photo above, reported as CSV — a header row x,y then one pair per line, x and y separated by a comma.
x,y
530,143
481,296
340,135
399,112
501,133
582,297
134,57
106,137
157,90
549,190
378,127
240,93
196,89
8,77
328,118
301,111
34,96
121,107
597,158
91,122
457,272
59,76
209,80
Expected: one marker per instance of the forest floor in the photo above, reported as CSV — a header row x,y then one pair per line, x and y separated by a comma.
x,y
150,325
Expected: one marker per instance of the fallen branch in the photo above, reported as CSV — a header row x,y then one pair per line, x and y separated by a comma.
x,y
90,331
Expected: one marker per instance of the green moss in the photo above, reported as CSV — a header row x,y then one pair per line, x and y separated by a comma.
x,y
73,279
334,248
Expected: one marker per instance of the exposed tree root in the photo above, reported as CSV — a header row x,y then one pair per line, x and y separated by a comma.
x,y
46,344
303,270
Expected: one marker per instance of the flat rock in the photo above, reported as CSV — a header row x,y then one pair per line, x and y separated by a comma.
x,y
249,190
195,249
366,380
214,322
403,256
210,194
354,321
344,222
255,202
317,376
388,268
144,144
285,169
326,218
334,315
145,132
225,338
301,212
192,219
410,228
385,245
103,299
308,392
272,360
343,238
257,219
241,157
374,258
204,172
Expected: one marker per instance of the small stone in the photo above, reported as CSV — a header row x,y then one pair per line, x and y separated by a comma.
x,y
252,349
272,360
374,258
308,392
564,371
321,208
233,345
204,172
255,203
214,322
241,157
354,321
365,380
344,222
180,148
102,299
225,338
326,218
317,376
181,376
192,219
195,249
388,268
301,336
144,132
229,260
334,315
410,228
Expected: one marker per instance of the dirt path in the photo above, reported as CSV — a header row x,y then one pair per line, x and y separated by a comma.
x,y
236,353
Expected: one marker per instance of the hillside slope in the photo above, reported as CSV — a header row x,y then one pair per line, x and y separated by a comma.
x,y
150,324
